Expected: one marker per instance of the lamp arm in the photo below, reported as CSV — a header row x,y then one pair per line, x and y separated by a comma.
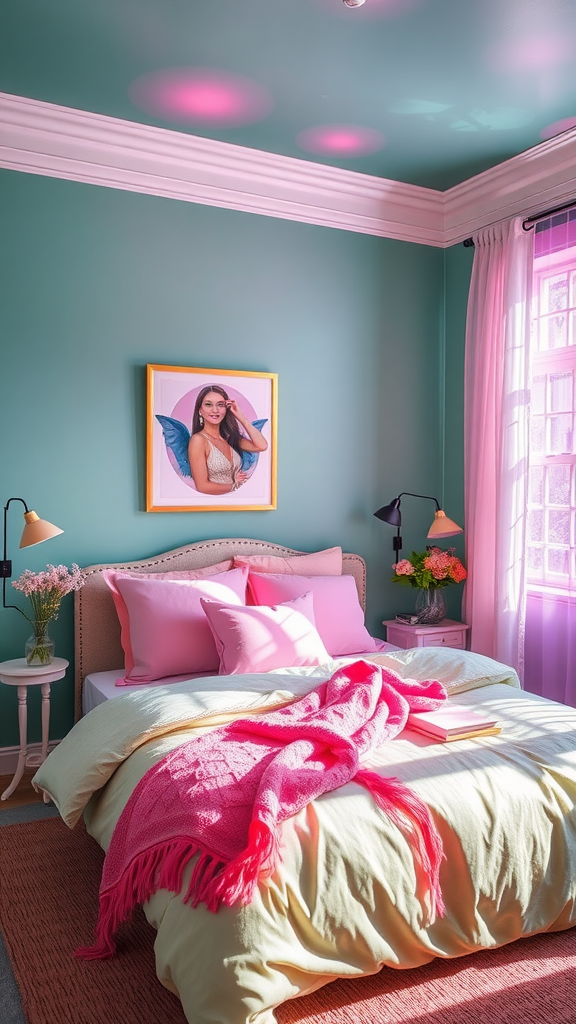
x,y
397,540
6,564
5,518
429,496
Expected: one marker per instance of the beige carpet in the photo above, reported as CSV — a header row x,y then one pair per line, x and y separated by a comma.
x,y
49,881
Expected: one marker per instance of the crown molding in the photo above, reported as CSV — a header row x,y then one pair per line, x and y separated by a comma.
x,y
527,184
61,142
43,138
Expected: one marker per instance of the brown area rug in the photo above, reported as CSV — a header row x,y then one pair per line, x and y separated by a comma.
x,y
49,881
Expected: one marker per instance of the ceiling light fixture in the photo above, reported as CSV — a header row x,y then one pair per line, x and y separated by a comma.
x,y
354,3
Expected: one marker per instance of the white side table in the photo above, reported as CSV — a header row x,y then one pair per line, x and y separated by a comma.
x,y
18,673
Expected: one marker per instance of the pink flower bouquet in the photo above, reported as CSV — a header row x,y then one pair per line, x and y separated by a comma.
x,y
45,591
430,569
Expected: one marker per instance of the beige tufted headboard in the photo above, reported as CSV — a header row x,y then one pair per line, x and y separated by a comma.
x,y
96,628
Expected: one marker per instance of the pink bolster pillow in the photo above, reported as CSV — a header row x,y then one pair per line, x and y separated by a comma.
x,y
337,610
164,631
260,639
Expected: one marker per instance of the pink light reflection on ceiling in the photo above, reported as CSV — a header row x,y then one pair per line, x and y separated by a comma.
x,y
340,140
557,127
371,9
532,53
201,96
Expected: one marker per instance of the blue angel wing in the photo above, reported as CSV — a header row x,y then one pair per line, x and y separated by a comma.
x,y
176,436
249,459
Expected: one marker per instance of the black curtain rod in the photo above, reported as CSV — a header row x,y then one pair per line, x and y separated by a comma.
x,y
531,221
547,213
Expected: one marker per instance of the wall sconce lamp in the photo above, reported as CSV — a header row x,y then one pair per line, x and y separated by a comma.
x,y
442,526
35,531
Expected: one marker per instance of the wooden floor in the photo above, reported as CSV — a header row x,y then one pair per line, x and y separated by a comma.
x,y
24,793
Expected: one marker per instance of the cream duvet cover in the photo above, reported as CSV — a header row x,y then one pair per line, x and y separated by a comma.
x,y
343,901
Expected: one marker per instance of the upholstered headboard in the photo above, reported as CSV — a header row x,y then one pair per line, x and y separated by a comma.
x,y
97,630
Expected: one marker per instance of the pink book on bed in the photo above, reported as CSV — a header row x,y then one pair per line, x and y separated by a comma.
x,y
449,723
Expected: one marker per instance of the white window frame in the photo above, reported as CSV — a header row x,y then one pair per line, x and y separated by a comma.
x,y
546,363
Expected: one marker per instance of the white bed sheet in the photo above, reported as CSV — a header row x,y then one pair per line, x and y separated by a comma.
x,y
101,686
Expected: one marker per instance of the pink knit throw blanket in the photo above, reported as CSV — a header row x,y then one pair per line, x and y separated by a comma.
x,y
222,796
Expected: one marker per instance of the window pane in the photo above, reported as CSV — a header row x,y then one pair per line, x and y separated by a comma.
x,y
538,394
543,342
536,485
559,527
535,561
561,434
555,327
561,389
551,513
555,293
559,485
536,525
537,435
557,561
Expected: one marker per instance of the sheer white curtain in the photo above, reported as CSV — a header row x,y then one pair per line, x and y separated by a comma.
x,y
550,646
496,440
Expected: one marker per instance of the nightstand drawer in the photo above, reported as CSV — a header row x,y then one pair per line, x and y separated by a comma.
x,y
448,640
445,634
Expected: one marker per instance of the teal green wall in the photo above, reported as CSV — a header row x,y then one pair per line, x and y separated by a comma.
x,y
95,283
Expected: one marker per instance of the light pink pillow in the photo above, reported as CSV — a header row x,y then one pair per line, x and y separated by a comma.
x,y
260,639
319,563
164,631
337,610
176,574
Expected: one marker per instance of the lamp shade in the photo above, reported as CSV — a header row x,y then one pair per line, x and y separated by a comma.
x,y
390,513
443,526
37,530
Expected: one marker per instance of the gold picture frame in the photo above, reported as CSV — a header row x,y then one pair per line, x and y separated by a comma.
x,y
173,415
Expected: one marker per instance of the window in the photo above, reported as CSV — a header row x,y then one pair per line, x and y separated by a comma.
x,y
551,521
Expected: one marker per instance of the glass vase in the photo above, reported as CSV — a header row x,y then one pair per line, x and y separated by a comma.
x,y
39,647
430,606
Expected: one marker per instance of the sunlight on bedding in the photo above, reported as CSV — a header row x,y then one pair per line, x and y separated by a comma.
x,y
345,898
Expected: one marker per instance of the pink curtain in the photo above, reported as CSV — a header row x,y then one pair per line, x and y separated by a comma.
x,y
496,439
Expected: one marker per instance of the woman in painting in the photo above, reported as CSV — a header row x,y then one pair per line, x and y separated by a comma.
x,y
216,443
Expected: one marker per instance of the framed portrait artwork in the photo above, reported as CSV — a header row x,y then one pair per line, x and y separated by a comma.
x,y
211,440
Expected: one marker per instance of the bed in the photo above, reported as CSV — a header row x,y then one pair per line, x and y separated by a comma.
x,y
344,900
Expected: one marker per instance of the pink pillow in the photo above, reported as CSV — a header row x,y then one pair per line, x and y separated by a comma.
x,y
164,631
260,639
337,610
176,574
319,563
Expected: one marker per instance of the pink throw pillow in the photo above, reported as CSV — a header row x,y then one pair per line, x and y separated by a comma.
x,y
337,610
319,563
175,574
164,631
260,639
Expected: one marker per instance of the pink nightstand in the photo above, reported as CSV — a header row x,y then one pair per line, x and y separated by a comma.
x,y
447,633
18,673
